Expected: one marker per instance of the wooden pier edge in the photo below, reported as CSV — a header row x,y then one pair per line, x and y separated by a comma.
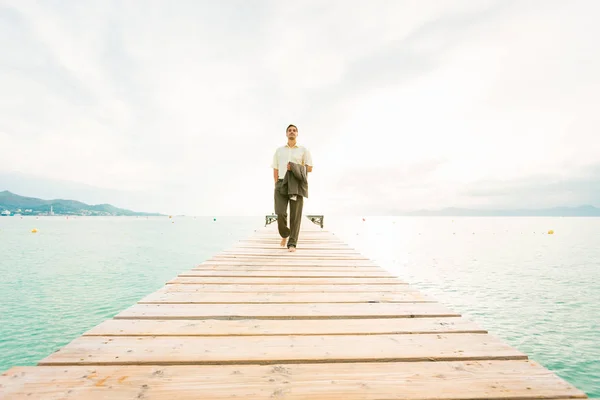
x,y
258,322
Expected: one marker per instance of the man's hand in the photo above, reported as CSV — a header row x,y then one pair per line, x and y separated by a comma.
x,y
289,167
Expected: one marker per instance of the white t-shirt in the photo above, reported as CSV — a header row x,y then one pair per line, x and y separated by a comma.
x,y
285,154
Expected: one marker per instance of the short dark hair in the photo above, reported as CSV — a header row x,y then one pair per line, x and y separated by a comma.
x,y
286,129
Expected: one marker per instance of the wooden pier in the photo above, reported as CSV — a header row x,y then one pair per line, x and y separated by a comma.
x,y
257,322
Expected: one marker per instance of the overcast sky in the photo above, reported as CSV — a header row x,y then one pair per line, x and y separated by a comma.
x,y
178,106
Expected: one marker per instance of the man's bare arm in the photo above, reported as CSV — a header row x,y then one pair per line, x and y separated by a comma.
x,y
275,174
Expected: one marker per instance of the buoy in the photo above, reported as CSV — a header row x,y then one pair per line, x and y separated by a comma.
x,y
214,219
550,232
364,219
34,230
170,216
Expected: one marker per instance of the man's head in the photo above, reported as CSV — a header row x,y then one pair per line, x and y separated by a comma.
x,y
291,132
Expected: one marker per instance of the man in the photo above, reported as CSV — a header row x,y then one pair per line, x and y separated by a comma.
x,y
290,153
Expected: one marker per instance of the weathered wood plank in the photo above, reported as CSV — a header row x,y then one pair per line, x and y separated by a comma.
x,y
275,245
252,327
272,231
286,311
276,240
287,281
258,288
283,252
162,296
290,262
285,255
205,267
269,249
301,251
501,380
289,274
276,248
198,350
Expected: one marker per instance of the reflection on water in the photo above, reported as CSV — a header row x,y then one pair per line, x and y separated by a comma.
x,y
538,292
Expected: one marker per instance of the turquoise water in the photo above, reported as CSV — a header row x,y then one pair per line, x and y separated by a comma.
x,y
538,292
75,273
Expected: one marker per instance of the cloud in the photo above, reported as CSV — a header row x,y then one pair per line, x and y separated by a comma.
x,y
185,103
573,188
383,190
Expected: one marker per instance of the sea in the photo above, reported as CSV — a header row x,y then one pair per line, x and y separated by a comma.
x,y
537,291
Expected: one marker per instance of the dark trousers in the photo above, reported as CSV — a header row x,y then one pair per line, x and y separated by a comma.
x,y
281,206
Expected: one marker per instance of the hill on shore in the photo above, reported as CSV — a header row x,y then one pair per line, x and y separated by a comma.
x,y
15,204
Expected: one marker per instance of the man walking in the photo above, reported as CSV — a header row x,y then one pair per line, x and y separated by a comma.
x,y
284,156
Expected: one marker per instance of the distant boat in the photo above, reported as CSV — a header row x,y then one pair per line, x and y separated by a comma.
x,y
5,213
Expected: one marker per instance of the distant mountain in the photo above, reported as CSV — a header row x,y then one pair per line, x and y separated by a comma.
x,y
581,211
33,206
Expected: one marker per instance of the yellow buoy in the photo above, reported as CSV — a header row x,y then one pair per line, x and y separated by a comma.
x,y
550,232
170,216
34,230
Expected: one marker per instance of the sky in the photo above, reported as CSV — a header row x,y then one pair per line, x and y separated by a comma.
x,y
178,107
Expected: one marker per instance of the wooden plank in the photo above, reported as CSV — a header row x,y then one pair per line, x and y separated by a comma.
x,y
317,245
277,247
206,267
275,244
252,327
285,255
287,281
501,380
293,263
203,350
277,240
258,246
325,235
283,252
272,231
257,288
162,296
289,274
286,311
300,251
301,239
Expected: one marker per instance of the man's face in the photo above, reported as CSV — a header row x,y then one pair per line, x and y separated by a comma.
x,y
292,132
